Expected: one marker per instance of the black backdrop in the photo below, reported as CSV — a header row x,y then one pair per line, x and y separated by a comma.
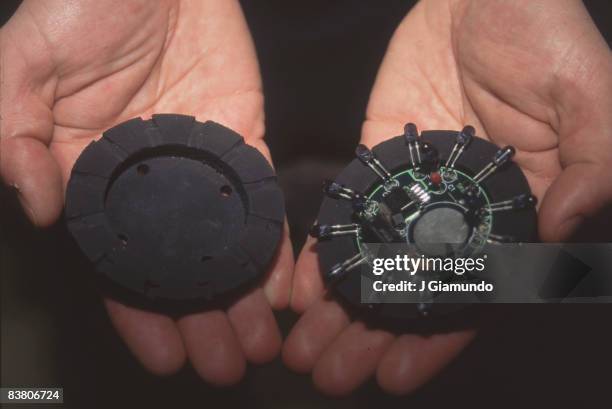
x,y
319,60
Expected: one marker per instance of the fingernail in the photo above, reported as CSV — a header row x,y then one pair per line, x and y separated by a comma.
x,y
29,211
269,292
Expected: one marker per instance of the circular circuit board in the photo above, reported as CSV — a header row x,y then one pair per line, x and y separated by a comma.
x,y
442,193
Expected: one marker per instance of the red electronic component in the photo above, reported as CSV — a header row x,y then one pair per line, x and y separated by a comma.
x,y
435,178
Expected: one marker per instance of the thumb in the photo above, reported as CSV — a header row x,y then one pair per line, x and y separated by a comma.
x,y
580,192
27,165
26,125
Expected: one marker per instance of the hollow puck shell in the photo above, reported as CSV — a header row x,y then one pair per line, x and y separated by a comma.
x,y
173,209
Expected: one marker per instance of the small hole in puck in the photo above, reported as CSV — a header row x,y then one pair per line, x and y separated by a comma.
x,y
142,169
225,190
205,258
123,238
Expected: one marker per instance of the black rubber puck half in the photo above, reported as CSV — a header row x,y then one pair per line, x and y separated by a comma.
x,y
175,210
440,192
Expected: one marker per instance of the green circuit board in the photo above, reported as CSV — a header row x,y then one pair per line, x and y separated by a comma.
x,y
448,188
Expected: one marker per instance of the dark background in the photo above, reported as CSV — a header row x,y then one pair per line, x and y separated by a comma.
x,y
318,61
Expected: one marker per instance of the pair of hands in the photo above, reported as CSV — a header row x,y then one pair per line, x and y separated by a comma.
x,y
536,75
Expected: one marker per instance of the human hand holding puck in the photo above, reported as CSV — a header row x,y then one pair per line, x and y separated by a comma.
x,y
542,88
109,61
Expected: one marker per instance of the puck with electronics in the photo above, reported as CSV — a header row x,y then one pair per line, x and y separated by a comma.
x,y
443,193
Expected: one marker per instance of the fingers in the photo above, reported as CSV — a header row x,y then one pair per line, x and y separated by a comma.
x,y
216,343
307,281
277,286
412,359
153,338
351,359
28,166
313,333
212,347
255,326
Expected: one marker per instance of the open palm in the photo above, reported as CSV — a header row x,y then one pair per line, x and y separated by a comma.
x,y
535,75
72,70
